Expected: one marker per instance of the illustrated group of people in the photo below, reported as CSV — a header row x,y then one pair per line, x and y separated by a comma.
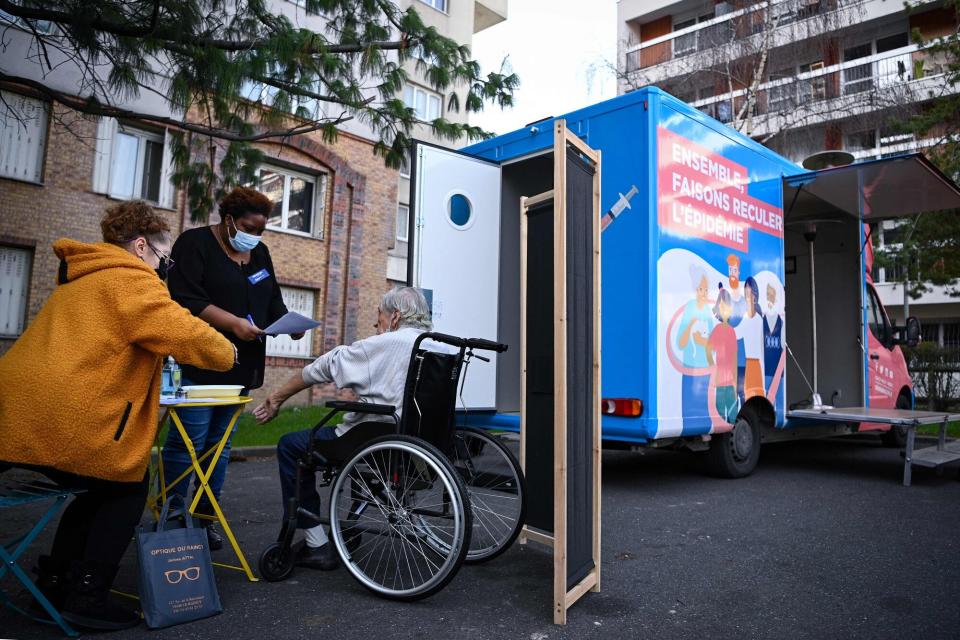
x,y
730,340
80,388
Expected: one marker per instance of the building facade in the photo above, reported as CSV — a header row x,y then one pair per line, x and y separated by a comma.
x,y
326,237
331,234
802,76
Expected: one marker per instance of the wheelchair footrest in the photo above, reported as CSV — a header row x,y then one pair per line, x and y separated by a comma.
x,y
313,516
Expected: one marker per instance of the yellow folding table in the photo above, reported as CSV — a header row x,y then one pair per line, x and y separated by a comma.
x,y
203,475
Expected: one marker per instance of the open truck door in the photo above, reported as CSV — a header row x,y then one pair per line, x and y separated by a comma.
x,y
455,252
828,209
511,252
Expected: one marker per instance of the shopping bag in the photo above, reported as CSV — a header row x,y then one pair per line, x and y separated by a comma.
x,y
177,584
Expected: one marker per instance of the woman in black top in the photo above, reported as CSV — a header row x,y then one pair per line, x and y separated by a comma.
x,y
224,275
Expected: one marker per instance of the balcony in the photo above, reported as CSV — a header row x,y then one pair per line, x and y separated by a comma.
x,y
740,33
487,13
893,78
684,42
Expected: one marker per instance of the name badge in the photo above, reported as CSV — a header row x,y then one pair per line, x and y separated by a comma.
x,y
263,274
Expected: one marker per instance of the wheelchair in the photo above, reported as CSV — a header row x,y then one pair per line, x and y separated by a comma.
x,y
412,499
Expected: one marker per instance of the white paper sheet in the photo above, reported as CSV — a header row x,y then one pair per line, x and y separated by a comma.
x,y
293,322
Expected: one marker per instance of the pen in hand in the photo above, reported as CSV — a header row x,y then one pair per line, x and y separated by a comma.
x,y
250,320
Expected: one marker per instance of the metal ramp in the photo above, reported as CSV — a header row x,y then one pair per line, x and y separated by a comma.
x,y
930,457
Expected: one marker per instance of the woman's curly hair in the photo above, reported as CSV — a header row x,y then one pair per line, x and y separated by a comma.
x,y
129,219
244,201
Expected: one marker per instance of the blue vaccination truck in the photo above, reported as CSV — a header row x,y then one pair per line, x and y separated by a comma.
x,y
736,305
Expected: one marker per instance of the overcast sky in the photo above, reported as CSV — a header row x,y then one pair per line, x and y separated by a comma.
x,y
557,47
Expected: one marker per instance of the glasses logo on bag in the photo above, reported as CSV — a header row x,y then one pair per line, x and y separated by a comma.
x,y
175,575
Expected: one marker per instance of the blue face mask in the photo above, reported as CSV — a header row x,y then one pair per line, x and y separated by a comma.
x,y
243,241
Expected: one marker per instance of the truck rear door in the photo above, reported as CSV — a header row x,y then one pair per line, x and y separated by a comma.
x,y
455,252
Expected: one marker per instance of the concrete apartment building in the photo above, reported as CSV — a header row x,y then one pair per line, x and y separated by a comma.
x,y
801,76
331,235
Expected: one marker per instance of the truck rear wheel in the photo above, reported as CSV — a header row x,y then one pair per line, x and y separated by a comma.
x,y
734,454
897,435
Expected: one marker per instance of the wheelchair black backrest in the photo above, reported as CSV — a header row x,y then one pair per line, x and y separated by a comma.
x,y
430,395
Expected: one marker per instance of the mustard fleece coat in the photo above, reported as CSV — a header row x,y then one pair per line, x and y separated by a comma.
x,y
80,389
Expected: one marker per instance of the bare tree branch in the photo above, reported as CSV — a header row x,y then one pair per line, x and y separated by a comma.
x,y
730,77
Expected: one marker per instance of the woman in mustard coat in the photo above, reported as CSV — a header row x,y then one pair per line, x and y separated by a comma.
x,y
80,393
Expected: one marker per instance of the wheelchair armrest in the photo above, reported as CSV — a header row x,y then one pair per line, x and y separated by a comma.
x,y
362,407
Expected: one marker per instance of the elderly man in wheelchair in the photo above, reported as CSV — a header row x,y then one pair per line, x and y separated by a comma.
x,y
402,478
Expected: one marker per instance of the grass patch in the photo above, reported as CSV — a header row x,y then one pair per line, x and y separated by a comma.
x,y
250,434
953,430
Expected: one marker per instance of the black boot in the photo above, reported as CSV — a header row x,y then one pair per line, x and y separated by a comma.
x,y
323,558
214,539
88,603
51,581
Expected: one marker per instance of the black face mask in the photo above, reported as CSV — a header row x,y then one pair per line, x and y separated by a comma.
x,y
162,269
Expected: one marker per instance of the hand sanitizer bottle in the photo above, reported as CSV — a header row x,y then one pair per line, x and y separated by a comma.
x,y
170,377
177,376
166,378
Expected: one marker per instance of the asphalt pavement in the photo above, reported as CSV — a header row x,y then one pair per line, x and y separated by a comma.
x,y
821,541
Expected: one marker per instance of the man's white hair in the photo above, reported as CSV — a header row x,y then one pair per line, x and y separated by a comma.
x,y
412,306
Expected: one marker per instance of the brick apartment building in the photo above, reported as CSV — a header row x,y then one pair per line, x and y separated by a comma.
x,y
336,236
333,235
329,235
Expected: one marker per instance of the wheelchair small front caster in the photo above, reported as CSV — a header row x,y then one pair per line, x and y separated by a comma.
x,y
276,562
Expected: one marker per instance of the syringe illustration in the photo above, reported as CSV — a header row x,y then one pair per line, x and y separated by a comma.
x,y
618,207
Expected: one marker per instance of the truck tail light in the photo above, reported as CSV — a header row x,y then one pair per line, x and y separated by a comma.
x,y
627,407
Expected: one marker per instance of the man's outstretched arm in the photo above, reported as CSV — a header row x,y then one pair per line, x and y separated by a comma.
x,y
268,409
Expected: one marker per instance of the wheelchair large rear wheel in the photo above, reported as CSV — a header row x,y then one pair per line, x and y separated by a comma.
x,y
400,518
496,488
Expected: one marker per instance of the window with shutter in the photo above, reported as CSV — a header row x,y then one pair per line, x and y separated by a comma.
x,y
136,164
301,301
14,282
133,163
23,132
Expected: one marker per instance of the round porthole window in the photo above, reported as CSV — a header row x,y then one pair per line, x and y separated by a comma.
x,y
459,209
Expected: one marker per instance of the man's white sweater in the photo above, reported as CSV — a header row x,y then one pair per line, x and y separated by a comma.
x,y
374,368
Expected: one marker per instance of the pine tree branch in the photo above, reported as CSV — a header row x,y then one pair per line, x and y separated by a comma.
x,y
169,33
125,30
306,93
92,106
195,55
